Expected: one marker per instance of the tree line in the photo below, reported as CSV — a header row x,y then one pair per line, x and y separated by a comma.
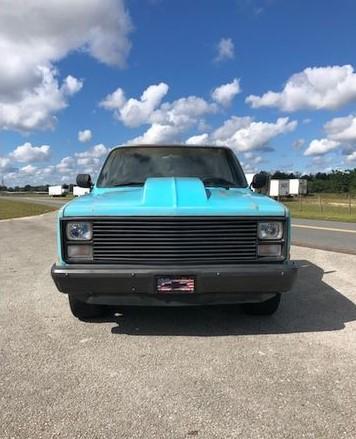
x,y
334,181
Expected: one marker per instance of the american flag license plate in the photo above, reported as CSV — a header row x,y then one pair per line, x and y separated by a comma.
x,y
175,284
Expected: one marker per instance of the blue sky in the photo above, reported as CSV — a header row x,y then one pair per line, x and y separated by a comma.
x,y
207,65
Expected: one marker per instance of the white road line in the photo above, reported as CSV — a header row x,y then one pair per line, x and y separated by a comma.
x,y
328,229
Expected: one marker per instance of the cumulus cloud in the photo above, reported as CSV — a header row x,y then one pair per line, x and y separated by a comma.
x,y
253,159
244,134
5,164
314,88
96,151
342,129
168,120
27,153
321,146
224,94
35,109
201,139
159,134
225,50
135,112
183,112
66,165
351,158
28,169
30,92
340,135
84,136
90,160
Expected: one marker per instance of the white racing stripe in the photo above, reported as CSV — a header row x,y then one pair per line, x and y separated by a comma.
x,y
328,229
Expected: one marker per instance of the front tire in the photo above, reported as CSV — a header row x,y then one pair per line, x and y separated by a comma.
x,y
265,308
84,311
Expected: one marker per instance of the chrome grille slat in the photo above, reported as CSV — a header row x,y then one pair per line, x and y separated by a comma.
x,y
182,241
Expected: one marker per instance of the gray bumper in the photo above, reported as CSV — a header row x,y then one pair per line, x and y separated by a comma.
x,y
110,284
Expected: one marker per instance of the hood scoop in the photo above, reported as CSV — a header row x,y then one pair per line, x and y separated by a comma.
x,y
174,192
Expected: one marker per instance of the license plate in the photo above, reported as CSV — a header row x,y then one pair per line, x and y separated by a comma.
x,y
175,284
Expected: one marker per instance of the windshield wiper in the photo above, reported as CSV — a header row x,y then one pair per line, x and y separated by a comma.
x,y
129,183
218,182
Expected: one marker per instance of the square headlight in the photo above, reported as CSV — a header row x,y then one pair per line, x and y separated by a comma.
x,y
79,231
270,230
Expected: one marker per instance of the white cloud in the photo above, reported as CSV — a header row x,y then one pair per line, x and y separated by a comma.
x,y
168,120
340,135
66,165
27,153
35,35
96,151
321,146
342,129
183,112
351,158
230,127
226,50
201,139
28,170
299,143
35,109
253,158
89,161
158,134
135,112
244,134
315,88
5,164
224,94
84,136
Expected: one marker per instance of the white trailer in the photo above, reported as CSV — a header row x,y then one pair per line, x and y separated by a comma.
x,y
79,191
298,186
279,188
57,191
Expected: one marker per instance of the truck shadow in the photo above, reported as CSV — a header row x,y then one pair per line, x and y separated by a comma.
x,y
312,305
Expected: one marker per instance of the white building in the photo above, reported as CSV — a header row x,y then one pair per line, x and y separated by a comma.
x,y
58,191
298,186
279,188
79,191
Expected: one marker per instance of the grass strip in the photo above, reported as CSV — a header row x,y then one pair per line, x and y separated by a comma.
x,y
18,209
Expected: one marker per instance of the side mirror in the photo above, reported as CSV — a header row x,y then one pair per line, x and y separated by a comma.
x,y
259,181
84,180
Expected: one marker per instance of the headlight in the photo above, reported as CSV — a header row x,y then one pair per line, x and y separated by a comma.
x,y
79,231
270,230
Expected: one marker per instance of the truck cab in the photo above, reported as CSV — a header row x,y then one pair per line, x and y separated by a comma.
x,y
173,225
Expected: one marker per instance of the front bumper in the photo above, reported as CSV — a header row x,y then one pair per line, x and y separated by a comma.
x,y
119,285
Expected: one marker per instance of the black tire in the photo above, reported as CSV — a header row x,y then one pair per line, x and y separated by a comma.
x,y
84,311
266,308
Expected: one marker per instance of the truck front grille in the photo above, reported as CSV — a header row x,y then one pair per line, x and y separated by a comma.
x,y
170,241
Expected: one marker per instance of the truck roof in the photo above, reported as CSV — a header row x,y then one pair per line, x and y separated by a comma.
x,y
173,145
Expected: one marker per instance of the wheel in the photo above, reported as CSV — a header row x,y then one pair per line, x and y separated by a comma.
x,y
83,310
266,308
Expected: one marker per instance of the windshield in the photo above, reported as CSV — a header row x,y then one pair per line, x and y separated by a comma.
x,y
133,165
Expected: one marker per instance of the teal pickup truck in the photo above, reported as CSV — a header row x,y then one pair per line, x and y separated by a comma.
x,y
173,225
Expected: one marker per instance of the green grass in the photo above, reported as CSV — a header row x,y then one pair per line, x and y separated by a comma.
x,y
333,207
18,209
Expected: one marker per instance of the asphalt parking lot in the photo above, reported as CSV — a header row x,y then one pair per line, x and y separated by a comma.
x,y
174,373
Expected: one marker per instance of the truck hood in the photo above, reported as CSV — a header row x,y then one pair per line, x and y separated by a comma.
x,y
173,196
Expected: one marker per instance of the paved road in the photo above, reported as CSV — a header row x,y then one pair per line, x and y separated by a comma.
x,y
205,373
327,235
